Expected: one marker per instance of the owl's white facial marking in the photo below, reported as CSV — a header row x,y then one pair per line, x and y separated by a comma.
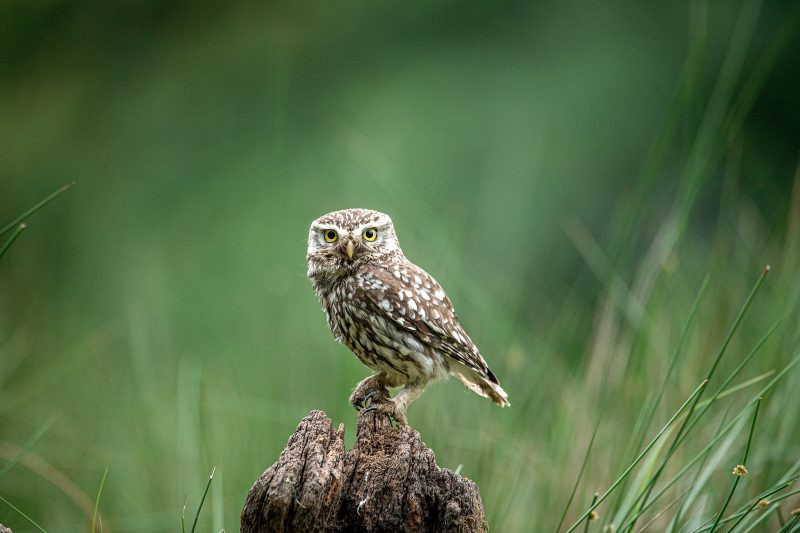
x,y
361,236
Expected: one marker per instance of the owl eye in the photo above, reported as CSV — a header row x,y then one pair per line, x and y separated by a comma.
x,y
330,235
370,234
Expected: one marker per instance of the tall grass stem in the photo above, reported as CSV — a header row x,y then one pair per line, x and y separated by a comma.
x,y
26,517
46,200
580,475
203,499
97,499
737,472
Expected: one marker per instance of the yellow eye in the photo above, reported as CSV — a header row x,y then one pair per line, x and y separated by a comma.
x,y
330,235
370,234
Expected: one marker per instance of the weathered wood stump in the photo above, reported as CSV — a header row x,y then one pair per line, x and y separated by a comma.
x,y
388,482
4,529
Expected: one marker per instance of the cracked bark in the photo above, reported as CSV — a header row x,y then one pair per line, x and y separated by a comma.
x,y
388,482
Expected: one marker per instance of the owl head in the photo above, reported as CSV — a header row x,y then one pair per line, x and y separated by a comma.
x,y
346,239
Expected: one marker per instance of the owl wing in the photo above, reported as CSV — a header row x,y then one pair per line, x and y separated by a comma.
x,y
415,303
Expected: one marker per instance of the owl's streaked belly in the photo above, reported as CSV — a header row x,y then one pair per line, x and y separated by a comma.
x,y
378,343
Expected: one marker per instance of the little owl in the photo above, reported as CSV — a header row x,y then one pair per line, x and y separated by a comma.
x,y
389,312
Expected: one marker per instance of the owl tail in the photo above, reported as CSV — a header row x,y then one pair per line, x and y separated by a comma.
x,y
483,384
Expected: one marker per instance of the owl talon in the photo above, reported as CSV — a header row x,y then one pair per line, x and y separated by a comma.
x,y
366,389
372,394
374,408
360,402
357,400
367,401
389,409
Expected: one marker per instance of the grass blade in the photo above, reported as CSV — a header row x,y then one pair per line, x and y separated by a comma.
x,y
664,510
97,500
46,200
580,475
761,518
680,348
183,514
738,515
26,517
737,471
737,322
28,445
789,527
591,516
758,498
13,238
736,388
638,459
723,430
721,391
203,499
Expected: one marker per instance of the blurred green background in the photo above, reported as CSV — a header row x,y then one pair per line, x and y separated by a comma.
x,y
570,172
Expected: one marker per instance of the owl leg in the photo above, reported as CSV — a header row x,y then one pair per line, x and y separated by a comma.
x,y
366,387
402,400
396,407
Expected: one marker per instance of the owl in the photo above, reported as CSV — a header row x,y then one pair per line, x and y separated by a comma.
x,y
390,313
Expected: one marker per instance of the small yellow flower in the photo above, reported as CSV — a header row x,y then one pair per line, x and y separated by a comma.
x,y
762,504
594,515
739,470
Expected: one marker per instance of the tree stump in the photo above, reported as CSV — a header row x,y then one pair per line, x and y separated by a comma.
x,y
4,529
388,482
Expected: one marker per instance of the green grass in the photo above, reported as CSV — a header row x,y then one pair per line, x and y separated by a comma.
x,y
202,500
23,515
97,503
600,214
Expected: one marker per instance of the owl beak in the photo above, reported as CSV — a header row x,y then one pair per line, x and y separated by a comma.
x,y
349,249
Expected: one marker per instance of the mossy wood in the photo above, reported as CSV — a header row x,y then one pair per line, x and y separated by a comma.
x,y
388,482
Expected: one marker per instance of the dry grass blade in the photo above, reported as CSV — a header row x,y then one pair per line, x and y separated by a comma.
x,y
28,445
664,510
